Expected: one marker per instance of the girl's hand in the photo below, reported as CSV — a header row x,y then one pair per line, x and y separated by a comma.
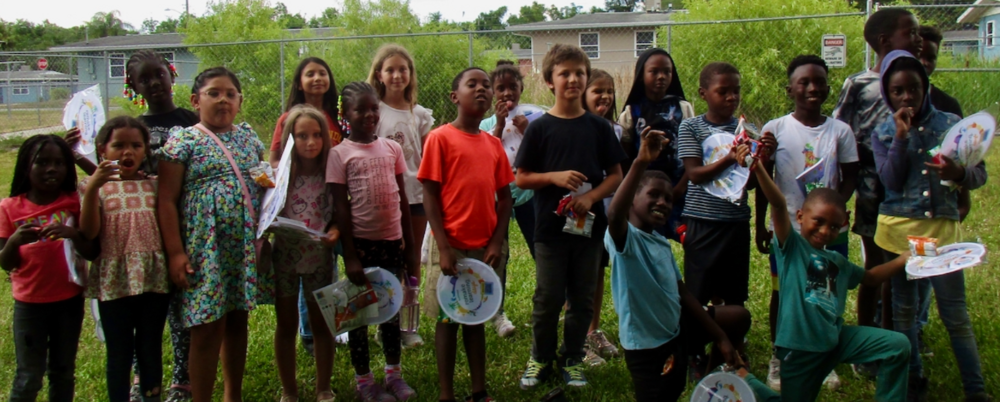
x,y
949,170
740,154
653,142
770,143
72,137
568,179
25,234
494,254
180,268
448,261
903,117
105,172
57,231
502,111
332,236
521,123
355,272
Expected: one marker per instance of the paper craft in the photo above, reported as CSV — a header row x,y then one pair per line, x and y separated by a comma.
x,y
730,184
346,306
950,258
968,140
722,387
510,137
389,292
77,266
294,230
86,112
274,198
473,296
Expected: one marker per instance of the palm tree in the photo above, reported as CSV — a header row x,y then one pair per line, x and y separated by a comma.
x,y
109,24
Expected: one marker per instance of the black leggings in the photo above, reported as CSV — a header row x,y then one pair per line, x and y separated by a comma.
x,y
134,324
386,254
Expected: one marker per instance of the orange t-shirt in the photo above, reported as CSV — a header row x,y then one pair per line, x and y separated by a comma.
x,y
43,276
471,168
335,135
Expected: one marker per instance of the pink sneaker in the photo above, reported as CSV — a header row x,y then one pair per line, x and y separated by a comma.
x,y
398,387
373,393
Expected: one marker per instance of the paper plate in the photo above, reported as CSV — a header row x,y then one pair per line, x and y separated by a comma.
x,y
510,138
86,112
730,184
969,139
473,296
389,292
722,387
950,258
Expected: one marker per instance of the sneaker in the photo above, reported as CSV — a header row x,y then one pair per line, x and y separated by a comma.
x,y
832,381
774,374
341,339
178,395
600,343
573,373
925,350
395,385
503,326
135,394
410,340
592,359
536,373
373,393
307,344
866,370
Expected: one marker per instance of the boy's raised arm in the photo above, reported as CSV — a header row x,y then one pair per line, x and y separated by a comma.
x,y
652,143
779,207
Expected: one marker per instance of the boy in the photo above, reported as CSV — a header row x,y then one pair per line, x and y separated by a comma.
x,y
861,107
806,138
566,152
656,313
463,169
814,282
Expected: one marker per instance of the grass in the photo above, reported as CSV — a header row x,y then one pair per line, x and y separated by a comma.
x,y
507,357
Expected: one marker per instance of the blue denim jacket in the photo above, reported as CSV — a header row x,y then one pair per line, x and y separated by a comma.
x,y
913,190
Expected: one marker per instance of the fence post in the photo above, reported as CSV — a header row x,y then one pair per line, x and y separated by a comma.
x,y
470,50
868,50
281,72
107,91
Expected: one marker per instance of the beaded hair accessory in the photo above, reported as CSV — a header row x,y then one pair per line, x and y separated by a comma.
x,y
345,127
129,91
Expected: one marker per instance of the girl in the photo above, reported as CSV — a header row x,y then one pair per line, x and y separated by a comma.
x,y
657,100
313,85
48,309
404,121
309,202
599,99
376,231
207,216
129,279
916,204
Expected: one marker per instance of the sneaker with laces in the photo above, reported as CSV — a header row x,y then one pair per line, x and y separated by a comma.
x,y
503,325
598,342
178,395
399,388
373,393
832,381
592,359
536,373
410,340
573,373
774,374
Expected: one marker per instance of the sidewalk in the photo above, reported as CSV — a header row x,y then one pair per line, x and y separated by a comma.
x,y
32,132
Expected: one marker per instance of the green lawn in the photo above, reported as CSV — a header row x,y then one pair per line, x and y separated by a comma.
x,y
508,356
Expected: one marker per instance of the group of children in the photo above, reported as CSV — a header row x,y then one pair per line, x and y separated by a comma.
x,y
168,218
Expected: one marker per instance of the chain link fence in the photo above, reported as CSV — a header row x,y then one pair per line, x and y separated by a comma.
x,y
761,48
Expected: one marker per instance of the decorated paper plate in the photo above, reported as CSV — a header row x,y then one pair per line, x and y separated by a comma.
x,y
722,387
510,137
389,292
730,184
85,111
950,258
969,139
473,296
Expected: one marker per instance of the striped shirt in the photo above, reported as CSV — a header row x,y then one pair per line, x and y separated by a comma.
x,y
698,203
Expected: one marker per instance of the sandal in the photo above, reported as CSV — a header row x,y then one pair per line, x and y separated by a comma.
x,y
326,396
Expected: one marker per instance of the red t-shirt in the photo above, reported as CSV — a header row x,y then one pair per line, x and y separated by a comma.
x,y
335,135
471,168
43,276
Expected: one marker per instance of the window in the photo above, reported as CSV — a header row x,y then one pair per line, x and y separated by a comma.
x,y
20,90
590,42
116,65
169,56
644,40
990,33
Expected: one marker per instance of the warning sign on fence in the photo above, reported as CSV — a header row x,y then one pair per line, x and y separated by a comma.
x,y
835,50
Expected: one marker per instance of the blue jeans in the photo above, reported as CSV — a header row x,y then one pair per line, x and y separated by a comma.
x,y
304,330
923,301
950,293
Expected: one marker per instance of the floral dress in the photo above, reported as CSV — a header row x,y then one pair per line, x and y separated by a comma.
x,y
216,227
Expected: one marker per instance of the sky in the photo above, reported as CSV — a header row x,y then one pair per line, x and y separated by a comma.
x,y
72,13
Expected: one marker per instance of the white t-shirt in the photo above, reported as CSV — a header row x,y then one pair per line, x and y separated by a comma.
x,y
801,147
408,128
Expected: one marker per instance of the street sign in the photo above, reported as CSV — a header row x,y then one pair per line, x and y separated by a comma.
x,y
43,64
835,50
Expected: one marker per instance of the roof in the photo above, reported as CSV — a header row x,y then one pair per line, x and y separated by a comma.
x,y
35,75
960,36
157,41
596,21
972,15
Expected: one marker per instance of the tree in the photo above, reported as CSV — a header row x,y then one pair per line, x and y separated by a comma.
x,y
620,6
286,20
149,26
528,14
329,18
563,12
168,25
108,24
491,20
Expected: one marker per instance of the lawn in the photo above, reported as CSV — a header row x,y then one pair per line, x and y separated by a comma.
x,y
507,357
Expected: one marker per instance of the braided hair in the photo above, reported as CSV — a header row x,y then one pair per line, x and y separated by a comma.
x,y
133,63
26,155
348,96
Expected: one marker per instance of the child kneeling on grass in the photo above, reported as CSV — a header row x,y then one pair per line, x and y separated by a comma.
x,y
658,317
811,338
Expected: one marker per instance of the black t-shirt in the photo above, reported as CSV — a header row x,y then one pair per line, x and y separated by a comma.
x,y
159,130
586,144
944,102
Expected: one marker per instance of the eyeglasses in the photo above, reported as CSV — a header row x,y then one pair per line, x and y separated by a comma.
x,y
216,95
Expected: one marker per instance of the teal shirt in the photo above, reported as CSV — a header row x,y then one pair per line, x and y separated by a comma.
x,y
644,280
814,285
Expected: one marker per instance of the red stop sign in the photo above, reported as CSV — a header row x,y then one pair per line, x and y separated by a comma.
x,y
43,64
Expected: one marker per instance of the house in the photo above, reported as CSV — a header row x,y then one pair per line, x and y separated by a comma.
x,y
987,17
960,42
31,86
612,40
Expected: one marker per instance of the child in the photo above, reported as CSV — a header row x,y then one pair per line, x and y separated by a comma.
x,y
466,176
129,279
376,230
916,204
658,318
862,108
48,308
814,282
565,152
208,219
599,99
657,100
806,138
295,260
313,85
404,121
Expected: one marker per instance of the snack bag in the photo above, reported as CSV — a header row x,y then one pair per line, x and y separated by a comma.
x,y
923,246
575,224
262,174
746,133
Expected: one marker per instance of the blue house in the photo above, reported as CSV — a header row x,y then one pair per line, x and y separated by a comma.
x,y
31,86
988,20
